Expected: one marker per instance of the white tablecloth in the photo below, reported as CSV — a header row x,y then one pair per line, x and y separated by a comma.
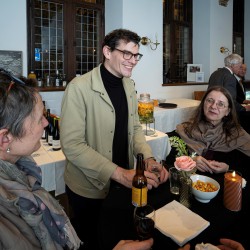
x,y
159,144
167,119
52,163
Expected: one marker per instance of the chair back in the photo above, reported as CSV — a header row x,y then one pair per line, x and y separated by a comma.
x,y
198,95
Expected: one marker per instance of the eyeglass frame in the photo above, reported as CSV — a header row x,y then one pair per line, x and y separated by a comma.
x,y
125,52
11,76
211,102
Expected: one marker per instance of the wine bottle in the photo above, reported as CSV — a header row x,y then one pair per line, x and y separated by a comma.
x,y
50,130
44,113
47,128
56,145
39,80
139,184
57,78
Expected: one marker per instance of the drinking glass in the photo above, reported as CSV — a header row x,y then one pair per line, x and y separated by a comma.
x,y
144,222
155,168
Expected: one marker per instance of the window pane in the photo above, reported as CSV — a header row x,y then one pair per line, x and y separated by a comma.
x,y
87,44
49,37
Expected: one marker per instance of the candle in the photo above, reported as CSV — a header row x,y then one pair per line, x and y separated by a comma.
x,y
233,190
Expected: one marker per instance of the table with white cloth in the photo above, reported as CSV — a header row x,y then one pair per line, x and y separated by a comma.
x,y
159,144
166,119
52,163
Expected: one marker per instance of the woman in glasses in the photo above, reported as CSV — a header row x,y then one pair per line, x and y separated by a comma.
x,y
30,218
213,133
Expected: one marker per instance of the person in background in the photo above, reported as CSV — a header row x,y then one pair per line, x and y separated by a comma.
x,y
101,133
241,98
213,133
225,77
30,217
240,76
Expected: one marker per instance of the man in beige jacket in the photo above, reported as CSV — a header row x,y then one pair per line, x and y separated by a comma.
x,y
101,132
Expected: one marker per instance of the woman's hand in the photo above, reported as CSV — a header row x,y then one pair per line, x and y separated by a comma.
x,y
219,167
210,166
203,164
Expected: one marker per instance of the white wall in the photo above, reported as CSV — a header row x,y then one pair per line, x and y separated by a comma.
x,y
13,30
212,28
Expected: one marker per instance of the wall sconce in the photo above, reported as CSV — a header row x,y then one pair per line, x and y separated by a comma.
x,y
223,2
146,41
224,50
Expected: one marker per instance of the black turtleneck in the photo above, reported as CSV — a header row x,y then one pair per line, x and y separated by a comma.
x,y
114,87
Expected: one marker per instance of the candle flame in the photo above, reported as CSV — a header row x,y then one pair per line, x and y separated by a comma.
x,y
233,174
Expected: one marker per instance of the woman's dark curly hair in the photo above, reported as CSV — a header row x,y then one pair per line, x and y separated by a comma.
x,y
231,126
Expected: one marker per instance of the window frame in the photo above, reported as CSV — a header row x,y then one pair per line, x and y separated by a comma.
x,y
69,28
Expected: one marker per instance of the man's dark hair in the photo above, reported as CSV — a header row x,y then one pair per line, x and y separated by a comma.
x,y
113,39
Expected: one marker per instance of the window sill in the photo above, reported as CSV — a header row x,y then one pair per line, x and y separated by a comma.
x,y
49,89
184,83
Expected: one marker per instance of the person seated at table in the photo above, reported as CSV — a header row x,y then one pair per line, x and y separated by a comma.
x,y
30,217
214,133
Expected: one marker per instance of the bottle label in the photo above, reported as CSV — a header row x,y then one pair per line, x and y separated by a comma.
x,y
50,140
56,144
44,134
57,82
39,83
139,196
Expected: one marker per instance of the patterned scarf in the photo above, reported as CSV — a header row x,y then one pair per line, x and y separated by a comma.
x,y
24,181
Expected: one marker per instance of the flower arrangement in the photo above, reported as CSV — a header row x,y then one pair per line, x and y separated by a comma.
x,y
183,162
186,165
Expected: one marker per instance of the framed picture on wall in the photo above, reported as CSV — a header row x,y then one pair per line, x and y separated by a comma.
x,y
12,61
192,69
199,77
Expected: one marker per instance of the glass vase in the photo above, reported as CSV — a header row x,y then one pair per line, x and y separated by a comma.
x,y
186,191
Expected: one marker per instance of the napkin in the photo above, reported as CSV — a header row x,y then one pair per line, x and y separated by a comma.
x,y
179,223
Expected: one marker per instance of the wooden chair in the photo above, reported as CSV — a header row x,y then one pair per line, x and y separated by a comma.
x,y
198,95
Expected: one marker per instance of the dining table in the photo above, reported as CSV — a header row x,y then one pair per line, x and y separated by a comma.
x,y
166,118
116,217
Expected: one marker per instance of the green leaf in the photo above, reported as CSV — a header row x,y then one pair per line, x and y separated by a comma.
x,y
179,144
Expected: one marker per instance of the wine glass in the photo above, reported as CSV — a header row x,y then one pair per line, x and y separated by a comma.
x,y
144,222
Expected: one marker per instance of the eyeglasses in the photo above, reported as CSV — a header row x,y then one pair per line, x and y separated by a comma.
x,y
12,78
219,104
128,55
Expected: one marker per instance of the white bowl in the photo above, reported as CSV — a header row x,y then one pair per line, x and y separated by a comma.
x,y
203,196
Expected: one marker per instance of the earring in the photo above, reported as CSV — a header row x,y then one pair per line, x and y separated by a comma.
x,y
8,150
